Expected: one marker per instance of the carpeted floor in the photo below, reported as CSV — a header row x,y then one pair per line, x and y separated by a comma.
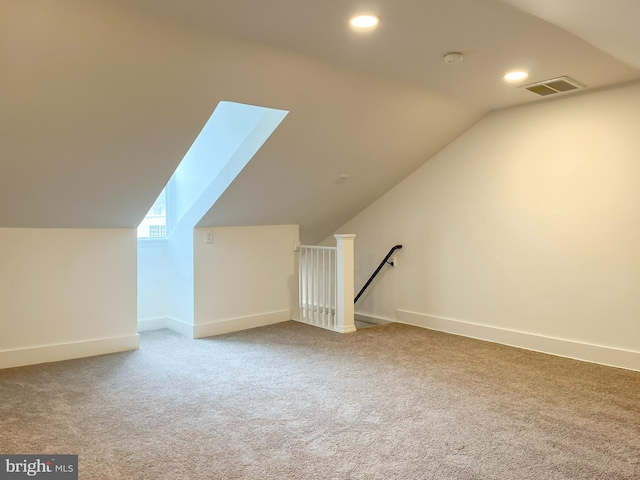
x,y
291,401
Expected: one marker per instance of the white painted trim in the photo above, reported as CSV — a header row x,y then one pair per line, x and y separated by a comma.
x,y
178,326
345,289
613,357
147,324
325,327
242,323
345,329
67,351
364,317
335,328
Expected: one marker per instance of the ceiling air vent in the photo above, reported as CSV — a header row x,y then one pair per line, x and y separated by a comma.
x,y
553,86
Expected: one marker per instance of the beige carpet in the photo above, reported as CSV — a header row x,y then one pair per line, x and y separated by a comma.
x,y
295,402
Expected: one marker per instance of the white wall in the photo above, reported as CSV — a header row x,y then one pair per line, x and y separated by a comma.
x,y
523,231
180,272
153,284
213,162
246,278
66,293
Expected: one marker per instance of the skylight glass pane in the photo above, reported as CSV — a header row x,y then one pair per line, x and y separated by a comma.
x,y
154,224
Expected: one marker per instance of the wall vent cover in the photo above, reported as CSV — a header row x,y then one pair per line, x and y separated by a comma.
x,y
554,86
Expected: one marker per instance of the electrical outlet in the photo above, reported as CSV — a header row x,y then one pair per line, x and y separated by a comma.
x,y
208,236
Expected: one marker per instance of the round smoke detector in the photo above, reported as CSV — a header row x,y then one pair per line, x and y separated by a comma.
x,y
453,57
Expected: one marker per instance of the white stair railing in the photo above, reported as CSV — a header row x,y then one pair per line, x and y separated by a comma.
x,y
317,280
325,285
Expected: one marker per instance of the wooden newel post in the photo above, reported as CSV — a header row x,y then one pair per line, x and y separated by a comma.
x,y
345,283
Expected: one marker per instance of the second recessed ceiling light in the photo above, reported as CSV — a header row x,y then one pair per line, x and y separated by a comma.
x,y
365,22
516,76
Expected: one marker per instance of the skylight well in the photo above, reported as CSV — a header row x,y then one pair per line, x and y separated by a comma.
x,y
227,142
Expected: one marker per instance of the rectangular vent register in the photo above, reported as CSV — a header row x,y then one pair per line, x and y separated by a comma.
x,y
553,86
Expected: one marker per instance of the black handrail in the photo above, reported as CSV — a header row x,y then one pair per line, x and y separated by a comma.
x,y
391,252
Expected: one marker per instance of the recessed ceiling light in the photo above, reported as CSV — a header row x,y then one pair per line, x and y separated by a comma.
x,y
365,22
516,76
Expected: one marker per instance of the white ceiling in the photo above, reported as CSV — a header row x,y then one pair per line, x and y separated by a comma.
x,y
610,25
100,99
414,35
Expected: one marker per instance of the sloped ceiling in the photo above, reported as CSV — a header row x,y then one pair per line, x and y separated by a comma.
x,y
100,99
610,25
413,36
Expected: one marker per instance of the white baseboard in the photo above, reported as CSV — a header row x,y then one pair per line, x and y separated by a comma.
x,y
336,328
67,351
178,326
242,323
349,329
331,329
174,324
147,324
609,356
214,328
